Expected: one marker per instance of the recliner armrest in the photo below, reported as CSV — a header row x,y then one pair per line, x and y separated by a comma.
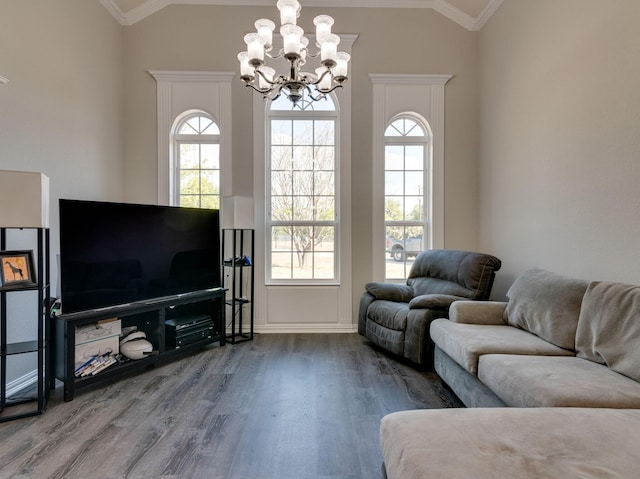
x,y
477,312
390,291
433,301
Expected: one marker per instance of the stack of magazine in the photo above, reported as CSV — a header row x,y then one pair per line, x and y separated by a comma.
x,y
94,365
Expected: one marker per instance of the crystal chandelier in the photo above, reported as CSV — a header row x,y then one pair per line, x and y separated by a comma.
x,y
262,78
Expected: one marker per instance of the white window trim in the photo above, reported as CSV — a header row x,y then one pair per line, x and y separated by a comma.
x,y
342,291
170,106
424,95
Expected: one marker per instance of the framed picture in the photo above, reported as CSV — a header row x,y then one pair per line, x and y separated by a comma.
x,y
17,269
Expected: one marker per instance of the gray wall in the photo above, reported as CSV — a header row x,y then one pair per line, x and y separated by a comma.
x,y
183,37
61,112
559,147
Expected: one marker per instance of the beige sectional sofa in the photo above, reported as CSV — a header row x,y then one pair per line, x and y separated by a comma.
x,y
567,347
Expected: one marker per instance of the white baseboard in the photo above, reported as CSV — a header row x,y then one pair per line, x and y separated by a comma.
x,y
306,328
21,383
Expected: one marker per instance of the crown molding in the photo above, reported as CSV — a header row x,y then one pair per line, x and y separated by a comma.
x,y
443,7
486,14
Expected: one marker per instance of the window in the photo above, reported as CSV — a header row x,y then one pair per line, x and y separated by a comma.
x,y
197,162
405,194
302,190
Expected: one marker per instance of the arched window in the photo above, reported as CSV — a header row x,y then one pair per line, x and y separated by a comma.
x,y
196,161
406,193
302,192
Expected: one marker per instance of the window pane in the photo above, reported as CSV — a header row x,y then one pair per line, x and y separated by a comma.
x,y
324,182
281,265
189,182
212,129
413,183
190,201
281,182
210,202
303,132
303,183
325,209
393,208
414,157
281,208
281,132
325,157
413,208
210,155
394,157
302,208
281,157
189,155
324,132
210,182
303,157
394,183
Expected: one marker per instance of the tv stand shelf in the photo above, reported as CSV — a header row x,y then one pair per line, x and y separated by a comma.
x,y
149,316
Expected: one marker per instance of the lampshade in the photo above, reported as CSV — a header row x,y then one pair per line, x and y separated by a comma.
x,y
24,199
237,212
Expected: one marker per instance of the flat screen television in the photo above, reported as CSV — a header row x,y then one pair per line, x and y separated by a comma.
x,y
118,253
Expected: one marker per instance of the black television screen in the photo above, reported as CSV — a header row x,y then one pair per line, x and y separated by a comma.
x,y
117,253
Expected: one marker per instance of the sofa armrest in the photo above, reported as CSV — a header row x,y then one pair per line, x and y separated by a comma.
x,y
477,312
400,293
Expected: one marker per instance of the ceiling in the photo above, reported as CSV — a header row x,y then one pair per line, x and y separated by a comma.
x,y
471,14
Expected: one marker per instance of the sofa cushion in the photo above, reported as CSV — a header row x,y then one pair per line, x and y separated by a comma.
x,y
609,327
459,273
465,343
389,314
547,305
540,443
554,381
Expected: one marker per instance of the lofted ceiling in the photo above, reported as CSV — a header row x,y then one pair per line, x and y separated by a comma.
x,y
471,14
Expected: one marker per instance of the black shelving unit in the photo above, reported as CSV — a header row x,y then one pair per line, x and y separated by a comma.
x,y
238,253
32,400
148,316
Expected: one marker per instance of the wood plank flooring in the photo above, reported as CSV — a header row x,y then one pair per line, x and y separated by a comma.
x,y
286,406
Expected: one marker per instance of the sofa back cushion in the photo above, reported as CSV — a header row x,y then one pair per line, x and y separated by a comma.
x,y
609,327
459,273
547,305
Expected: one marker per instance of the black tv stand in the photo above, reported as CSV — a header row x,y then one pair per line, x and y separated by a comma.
x,y
149,316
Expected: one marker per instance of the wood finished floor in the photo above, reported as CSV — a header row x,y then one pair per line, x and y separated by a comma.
x,y
286,406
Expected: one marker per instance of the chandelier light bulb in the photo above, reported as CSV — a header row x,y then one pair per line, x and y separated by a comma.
x,y
246,70
323,25
289,11
291,38
340,70
265,28
329,50
255,49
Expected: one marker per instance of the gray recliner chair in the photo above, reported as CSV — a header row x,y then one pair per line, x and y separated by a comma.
x,y
396,316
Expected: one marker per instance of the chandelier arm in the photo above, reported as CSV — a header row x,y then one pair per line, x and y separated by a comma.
x,y
278,81
329,91
264,91
310,93
326,72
